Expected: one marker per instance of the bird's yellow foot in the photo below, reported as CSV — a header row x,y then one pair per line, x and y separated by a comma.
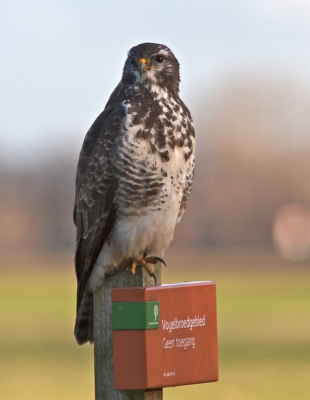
x,y
143,262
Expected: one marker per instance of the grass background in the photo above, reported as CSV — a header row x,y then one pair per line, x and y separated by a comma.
x,y
263,327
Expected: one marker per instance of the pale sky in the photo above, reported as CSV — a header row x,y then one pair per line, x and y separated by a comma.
x,y
61,59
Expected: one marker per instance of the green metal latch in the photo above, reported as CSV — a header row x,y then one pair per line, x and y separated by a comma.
x,y
135,315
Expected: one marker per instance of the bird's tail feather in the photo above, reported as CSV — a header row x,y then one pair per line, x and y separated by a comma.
x,y
84,325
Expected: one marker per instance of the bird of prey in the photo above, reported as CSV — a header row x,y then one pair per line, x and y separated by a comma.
x,y
134,176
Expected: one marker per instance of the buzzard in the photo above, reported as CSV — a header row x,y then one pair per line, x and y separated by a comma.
x,y
134,176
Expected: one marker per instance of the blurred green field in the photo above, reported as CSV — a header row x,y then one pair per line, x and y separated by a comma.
x,y
263,328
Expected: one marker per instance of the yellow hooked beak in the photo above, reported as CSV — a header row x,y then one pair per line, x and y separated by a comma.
x,y
142,65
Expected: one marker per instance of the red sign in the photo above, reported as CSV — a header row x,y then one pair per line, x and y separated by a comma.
x,y
181,351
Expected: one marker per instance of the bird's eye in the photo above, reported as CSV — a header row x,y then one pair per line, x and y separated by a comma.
x,y
131,60
159,59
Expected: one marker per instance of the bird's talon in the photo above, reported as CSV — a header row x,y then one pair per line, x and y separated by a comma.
x,y
133,268
154,277
160,260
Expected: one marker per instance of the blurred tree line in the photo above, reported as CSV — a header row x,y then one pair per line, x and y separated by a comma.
x,y
253,156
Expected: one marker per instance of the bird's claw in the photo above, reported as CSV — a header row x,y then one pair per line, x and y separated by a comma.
x,y
144,261
160,260
154,277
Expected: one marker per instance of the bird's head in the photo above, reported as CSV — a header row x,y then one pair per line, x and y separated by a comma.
x,y
152,65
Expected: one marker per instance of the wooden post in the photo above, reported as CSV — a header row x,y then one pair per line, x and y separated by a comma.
x,y
103,339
